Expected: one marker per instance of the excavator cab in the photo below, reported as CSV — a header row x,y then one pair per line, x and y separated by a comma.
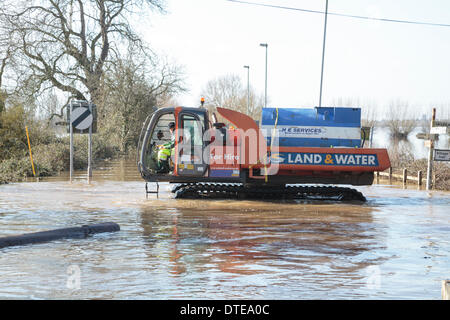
x,y
186,158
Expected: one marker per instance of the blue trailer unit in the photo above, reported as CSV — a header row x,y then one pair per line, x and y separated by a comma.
x,y
316,127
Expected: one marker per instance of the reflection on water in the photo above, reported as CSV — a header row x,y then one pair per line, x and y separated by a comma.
x,y
394,246
289,249
413,145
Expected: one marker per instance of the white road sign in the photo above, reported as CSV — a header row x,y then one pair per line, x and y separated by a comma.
x,y
439,130
441,155
81,118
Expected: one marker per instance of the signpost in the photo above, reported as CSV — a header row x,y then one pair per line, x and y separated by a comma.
x,y
81,117
437,123
425,136
437,127
70,110
439,130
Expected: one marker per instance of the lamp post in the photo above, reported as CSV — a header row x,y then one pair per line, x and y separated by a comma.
x,y
323,51
265,91
248,88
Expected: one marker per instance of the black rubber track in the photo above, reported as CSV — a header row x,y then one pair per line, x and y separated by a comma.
x,y
238,191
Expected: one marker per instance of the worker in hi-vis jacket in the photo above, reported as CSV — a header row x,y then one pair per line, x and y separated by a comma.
x,y
165,151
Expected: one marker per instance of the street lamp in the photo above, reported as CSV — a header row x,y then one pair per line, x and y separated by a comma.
x,y
265,91
323,51
248,88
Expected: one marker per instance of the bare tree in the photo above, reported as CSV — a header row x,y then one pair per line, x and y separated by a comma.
x,y
228,92
66,44
5,58
401,119
369,109
132,90
3,61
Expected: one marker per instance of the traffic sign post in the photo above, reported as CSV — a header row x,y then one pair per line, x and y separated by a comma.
x,y
89,172
436,127
80,107
81,117
71,142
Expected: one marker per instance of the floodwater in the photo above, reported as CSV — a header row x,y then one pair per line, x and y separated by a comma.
x,y
395,246
413,145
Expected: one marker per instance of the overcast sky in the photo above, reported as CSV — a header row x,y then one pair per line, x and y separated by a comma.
x,y
370,60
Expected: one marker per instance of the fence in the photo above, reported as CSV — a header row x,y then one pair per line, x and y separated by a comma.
x,y
404,177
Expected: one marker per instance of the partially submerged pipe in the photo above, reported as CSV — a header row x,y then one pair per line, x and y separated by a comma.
x,y
46,236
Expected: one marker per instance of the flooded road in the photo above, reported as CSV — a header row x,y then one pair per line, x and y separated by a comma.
x,y
395,246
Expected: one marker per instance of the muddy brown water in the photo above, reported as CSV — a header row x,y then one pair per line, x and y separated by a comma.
x,y
395,246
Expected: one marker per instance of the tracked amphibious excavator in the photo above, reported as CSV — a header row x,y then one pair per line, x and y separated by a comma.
x,y
294,154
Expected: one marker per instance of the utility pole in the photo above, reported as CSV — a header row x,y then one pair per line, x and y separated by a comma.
x,y
323,52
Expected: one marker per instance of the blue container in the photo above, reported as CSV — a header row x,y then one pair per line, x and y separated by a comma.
x,y
316,127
